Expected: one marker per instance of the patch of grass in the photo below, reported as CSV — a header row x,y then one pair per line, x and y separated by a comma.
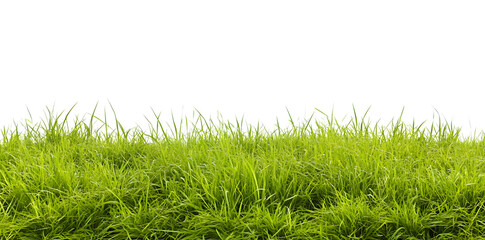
x,y
314,180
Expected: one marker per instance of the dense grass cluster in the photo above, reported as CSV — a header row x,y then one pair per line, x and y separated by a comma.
x,y
324,180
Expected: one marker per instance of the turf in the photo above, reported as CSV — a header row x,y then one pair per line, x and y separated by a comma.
x,y
319,179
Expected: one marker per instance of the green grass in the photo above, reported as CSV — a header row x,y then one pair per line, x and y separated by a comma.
x,y
319,179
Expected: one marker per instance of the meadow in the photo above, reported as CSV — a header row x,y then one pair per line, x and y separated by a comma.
x,y
82,178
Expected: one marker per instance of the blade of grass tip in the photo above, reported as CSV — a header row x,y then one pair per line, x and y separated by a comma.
x,y
28,110
56,122
442,127
180,126
58,126
439,121
52,115
375,133
402,113
77,123
241,130
398,124
90,130
278,127
100,127
27,125
399,120
165,135
333,118
362,123
250,130
264,130
124,133
229,127
150,125
242,122
219,129
435,132
46,121
238,129
341,127
14,133
257,132
419,127
155,129
449,126
174,126
4,135
329,121
220,118
312,130
322,113
29,130
413,129
355,121
53,124
107,136
213,128
120,131
308,122
153,134
291,119
197,121
187,126
358,128
203,118
159,125
67,115
116,120
195,130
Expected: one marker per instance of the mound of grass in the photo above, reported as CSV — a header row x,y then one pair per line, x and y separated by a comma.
x,y
324,180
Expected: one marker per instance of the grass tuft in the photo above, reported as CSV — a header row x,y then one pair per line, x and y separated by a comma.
x,y
319,179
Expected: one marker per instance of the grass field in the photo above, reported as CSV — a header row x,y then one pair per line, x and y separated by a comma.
x,y
222,180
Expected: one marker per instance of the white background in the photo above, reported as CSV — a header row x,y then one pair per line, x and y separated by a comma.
x,y
251,58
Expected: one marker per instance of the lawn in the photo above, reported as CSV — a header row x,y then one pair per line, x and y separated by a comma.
x,y
79,178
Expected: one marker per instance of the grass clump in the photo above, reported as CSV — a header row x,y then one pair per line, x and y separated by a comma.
x,y
315,180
